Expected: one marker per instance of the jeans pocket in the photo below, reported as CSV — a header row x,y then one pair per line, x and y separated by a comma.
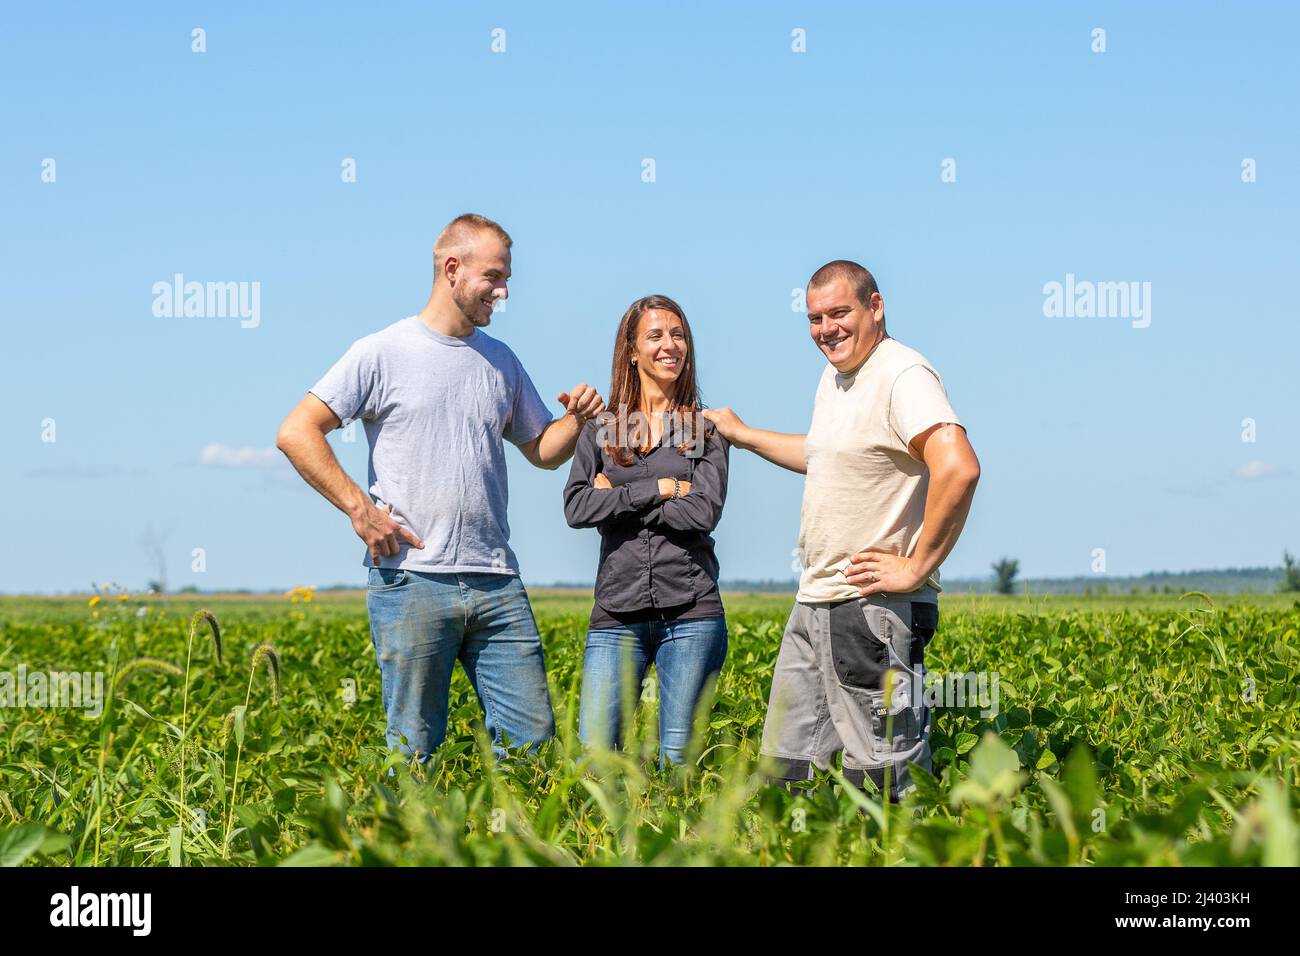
x,y
386,579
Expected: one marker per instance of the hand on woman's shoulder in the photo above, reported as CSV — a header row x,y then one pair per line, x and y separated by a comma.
x,y
711,433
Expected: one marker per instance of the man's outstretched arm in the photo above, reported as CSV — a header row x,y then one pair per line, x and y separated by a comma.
x,y
777,447
302,439
554,446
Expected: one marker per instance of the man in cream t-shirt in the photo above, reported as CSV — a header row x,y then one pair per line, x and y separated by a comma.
x,y
890,479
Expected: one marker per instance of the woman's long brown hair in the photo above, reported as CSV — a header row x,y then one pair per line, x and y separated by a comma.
x,y
625,380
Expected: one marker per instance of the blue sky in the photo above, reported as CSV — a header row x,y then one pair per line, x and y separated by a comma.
x,y
1120,166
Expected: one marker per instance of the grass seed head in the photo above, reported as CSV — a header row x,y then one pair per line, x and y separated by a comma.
x,y
205,615
142,664
267,652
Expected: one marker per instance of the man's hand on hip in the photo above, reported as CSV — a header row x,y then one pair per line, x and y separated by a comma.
x,y
875,571
380,532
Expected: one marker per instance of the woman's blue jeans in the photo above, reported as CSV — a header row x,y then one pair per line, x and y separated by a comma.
x,y
686,655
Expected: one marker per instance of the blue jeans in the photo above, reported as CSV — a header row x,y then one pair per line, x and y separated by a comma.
x,y
421,623
685,655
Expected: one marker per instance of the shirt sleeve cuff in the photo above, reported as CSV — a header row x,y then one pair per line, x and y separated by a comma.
x,y
642,492
332,402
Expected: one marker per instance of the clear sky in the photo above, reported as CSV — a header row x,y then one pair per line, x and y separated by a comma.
x,y
227,166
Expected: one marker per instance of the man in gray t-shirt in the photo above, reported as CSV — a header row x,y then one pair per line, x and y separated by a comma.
x,y
437,396
435,408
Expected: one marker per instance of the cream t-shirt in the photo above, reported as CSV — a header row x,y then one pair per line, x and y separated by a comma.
x,y
864,487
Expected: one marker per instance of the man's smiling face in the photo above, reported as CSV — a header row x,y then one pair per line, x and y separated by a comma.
x,y
844,329
481,278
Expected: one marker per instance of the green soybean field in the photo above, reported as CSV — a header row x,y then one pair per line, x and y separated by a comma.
x,y
248,731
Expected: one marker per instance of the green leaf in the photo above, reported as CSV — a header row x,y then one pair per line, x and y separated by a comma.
x,y
19,843
54,843
1059,801
994,775
927,787
313,854
1080,782
1017,717
965,741
284,799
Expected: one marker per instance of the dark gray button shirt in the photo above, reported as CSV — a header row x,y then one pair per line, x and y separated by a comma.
x,y
653,553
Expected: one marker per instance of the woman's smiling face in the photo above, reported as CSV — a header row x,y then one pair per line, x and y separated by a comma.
x,y
660,347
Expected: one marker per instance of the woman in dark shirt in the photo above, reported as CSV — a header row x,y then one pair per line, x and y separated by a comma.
x,y
651,475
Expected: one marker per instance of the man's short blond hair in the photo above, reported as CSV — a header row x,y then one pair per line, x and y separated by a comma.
x,y
457,238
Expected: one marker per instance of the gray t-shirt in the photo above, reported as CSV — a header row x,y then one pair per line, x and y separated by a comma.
x,y
435,408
